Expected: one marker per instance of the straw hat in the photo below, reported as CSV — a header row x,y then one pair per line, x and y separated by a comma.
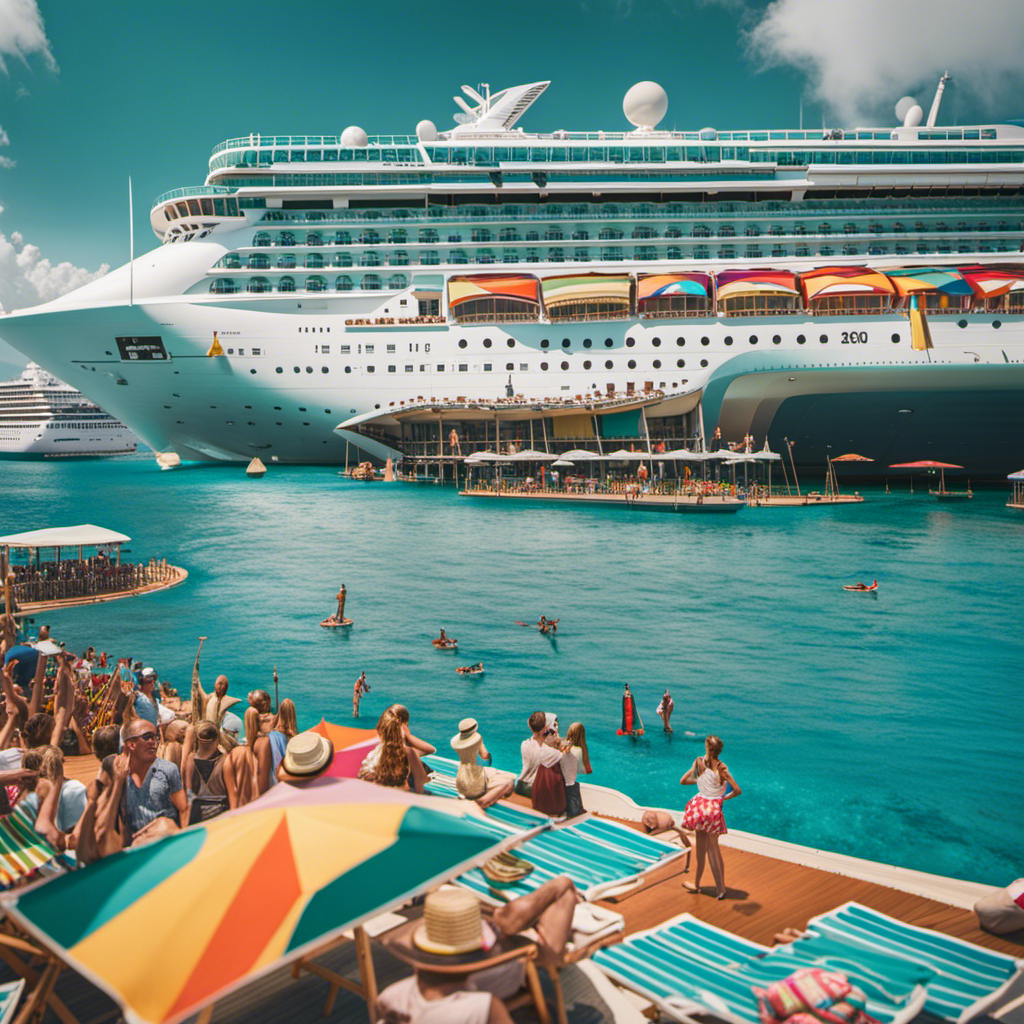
x,y
468,735
451,937
307,754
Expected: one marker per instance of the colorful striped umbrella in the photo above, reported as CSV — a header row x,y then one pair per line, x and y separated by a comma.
x,y
170,927
22,849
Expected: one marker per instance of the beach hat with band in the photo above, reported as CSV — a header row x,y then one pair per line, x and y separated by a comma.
x,y
468,735
308,753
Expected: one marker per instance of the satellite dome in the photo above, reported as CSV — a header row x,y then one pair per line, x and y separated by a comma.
x,y
903,106
645,104
707,135
353,137
426,131
909,112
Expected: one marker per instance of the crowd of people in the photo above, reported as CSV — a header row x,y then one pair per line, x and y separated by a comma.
x,y
55,581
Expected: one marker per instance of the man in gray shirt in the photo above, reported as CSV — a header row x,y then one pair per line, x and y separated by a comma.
x,y
153,788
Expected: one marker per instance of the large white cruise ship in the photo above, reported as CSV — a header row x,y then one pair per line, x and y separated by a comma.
x,y
42,417
855,289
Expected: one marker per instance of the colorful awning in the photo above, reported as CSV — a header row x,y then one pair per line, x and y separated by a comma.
x,y
732,283
817,284
659,286
991,282
928,279
519,287
586,288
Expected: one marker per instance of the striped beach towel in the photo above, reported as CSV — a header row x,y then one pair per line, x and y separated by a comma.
x,y
22,849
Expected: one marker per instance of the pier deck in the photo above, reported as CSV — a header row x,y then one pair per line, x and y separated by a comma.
x,y
650,502
173,577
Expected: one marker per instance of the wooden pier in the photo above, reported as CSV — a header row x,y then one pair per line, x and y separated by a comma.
x,y
639,501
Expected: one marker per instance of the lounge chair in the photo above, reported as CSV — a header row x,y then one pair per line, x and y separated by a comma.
x,y
689,969
968,978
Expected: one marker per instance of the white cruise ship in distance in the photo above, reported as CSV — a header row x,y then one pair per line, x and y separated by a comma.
x,y
859,289
42,417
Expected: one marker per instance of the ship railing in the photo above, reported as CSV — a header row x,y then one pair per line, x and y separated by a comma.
x,y
495,318
194,190
60,581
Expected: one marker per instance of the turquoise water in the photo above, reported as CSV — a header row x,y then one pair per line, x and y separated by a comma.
x,y
883,726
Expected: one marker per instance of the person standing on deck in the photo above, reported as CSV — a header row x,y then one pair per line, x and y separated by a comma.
x,y
340,615
703,813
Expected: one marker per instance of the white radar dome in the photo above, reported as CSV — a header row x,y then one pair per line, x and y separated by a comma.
x,y
645,104
353,137
909,112
426,131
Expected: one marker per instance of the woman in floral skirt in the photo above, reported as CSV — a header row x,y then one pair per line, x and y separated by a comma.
x,y
703,813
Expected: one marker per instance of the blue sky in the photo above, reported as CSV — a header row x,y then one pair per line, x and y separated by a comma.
x,y
94,91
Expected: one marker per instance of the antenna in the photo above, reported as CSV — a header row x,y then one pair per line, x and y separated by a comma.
x,y
131,245
933,114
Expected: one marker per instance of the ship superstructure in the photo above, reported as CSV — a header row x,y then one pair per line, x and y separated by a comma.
x,y
854,288
41,416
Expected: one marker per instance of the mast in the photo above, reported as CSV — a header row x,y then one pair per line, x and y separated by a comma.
x,y
934,112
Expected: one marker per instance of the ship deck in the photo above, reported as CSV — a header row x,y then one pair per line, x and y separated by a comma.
x,y
765,895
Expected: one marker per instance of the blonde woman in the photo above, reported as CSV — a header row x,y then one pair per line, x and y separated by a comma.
x,y
241,765
703,813
575,744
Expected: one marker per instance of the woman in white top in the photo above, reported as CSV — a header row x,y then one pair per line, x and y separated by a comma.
x,y
703,813
577,760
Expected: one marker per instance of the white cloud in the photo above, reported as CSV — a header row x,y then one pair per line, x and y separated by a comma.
x,y
28,278
5,161
861,57
22,33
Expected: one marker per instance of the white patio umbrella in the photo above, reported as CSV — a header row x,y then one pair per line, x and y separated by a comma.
x,y
532,455
683,455
579,455
623,455
562,462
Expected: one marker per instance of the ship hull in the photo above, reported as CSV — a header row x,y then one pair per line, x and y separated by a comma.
x,y
283,383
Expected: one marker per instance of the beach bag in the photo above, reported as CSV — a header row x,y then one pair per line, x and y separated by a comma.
x,y
812,996
549,791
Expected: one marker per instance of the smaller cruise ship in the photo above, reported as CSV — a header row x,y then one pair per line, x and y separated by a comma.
x,y
42,417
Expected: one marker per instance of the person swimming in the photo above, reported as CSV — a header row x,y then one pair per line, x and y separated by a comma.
x,y
467,670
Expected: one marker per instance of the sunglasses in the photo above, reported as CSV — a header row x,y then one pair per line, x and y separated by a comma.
x,y
143,736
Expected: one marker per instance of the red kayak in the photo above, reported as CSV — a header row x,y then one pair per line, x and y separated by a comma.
x,y
862,588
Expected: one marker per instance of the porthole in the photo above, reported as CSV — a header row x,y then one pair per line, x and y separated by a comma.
x,y
565,366
510,366
252,372
348,369
586,364
487,342
656,364
543,366
180,422
705,341
251,423
248,407
895,339
824,339
167,407
630,342
680,363
680,342
545,343
753,339
566,343
608,342
309,369
462,342
608,364
631,364
305,424
997,324
176,395
961,323
704,362
511,342
776,339
278,424
297,369
656,342
327,412
324,369
280,369
800,339
302,408
277,408
587,343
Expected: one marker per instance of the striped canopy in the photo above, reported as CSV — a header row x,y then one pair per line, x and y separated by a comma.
x,y
991,282
751,282
928,279
481,286
170,927
657,286
817,284
22,849
586,288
